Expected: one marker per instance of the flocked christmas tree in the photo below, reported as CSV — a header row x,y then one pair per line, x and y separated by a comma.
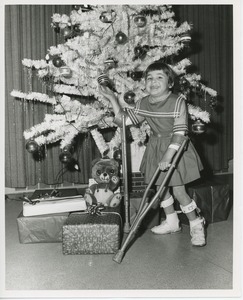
x,y
110,45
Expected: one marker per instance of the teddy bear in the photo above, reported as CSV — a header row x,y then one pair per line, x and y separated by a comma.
x,y
106,181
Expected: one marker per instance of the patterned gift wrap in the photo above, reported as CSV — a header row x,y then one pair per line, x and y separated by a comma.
x,y
92,234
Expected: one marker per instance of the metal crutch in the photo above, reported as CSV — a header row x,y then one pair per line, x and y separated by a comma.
x,y
145,207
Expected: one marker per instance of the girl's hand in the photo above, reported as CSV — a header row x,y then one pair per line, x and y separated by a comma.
x,y
164,165
107,93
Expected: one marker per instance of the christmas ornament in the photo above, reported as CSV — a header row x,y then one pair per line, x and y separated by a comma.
x,y
86,8
107,17
73,165
140,20
198,127
198,86
31,146
129,97
65,157
213,102
67,32
110,63
76,28
117,155
57,62
185,38
68,148
47,58
40,154
66,72
136,75
121,38
77,7
103,79
139,51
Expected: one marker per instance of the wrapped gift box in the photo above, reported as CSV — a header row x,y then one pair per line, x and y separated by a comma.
x,y
41,229
92,234
54,201
76,203
213,199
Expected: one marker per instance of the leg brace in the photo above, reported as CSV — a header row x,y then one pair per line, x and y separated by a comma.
x,y
190,207
167,202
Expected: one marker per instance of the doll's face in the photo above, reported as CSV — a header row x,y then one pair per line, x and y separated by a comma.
x,y
156,83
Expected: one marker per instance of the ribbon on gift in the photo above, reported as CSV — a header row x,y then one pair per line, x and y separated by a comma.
x,y
95,209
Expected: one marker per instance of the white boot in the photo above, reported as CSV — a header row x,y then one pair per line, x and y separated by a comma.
x,y
170,225
197,232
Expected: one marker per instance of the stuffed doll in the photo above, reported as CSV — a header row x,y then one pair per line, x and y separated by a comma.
x,y
106,181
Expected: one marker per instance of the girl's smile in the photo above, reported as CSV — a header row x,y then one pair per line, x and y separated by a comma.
x,y
157,83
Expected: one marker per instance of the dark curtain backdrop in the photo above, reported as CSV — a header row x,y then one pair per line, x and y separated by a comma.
x,y
28,35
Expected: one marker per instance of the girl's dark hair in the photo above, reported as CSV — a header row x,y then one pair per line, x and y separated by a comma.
x,y
158,65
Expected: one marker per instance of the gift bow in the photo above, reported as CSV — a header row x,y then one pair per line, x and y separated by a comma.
x,y
95,209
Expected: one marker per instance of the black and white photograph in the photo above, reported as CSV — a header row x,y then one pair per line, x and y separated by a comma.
x,y
122,137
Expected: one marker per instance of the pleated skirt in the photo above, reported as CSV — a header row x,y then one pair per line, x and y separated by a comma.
x,y
187,170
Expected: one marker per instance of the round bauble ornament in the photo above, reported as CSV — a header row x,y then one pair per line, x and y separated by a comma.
x,y
67,32
77,7
68,148
47,58
32,146
110,63
185,38
129,97
198,127
117,155
139,51
104,18
121,38
86,8
107,17
76,28
198,86
136,75
103,79
65,157
213,102
57,62
66,72
140,20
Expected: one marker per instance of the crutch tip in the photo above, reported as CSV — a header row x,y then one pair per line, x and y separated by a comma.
x,y
118,256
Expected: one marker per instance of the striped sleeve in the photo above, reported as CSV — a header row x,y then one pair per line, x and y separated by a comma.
x,y
180,116
133,113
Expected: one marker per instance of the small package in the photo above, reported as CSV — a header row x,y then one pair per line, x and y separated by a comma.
x,y
84,233
52,201
53,206
41,229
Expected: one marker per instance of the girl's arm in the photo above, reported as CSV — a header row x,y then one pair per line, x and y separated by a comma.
x,y
118,111
180,129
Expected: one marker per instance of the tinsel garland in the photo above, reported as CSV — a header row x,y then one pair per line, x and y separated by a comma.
x,y
33,96
99,140
198,113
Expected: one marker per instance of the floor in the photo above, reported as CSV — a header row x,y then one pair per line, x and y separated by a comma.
x,y
153,265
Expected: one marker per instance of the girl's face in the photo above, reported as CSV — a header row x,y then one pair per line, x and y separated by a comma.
x,y
156,83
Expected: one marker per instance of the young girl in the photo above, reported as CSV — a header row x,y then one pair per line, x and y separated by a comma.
x,y
166,113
